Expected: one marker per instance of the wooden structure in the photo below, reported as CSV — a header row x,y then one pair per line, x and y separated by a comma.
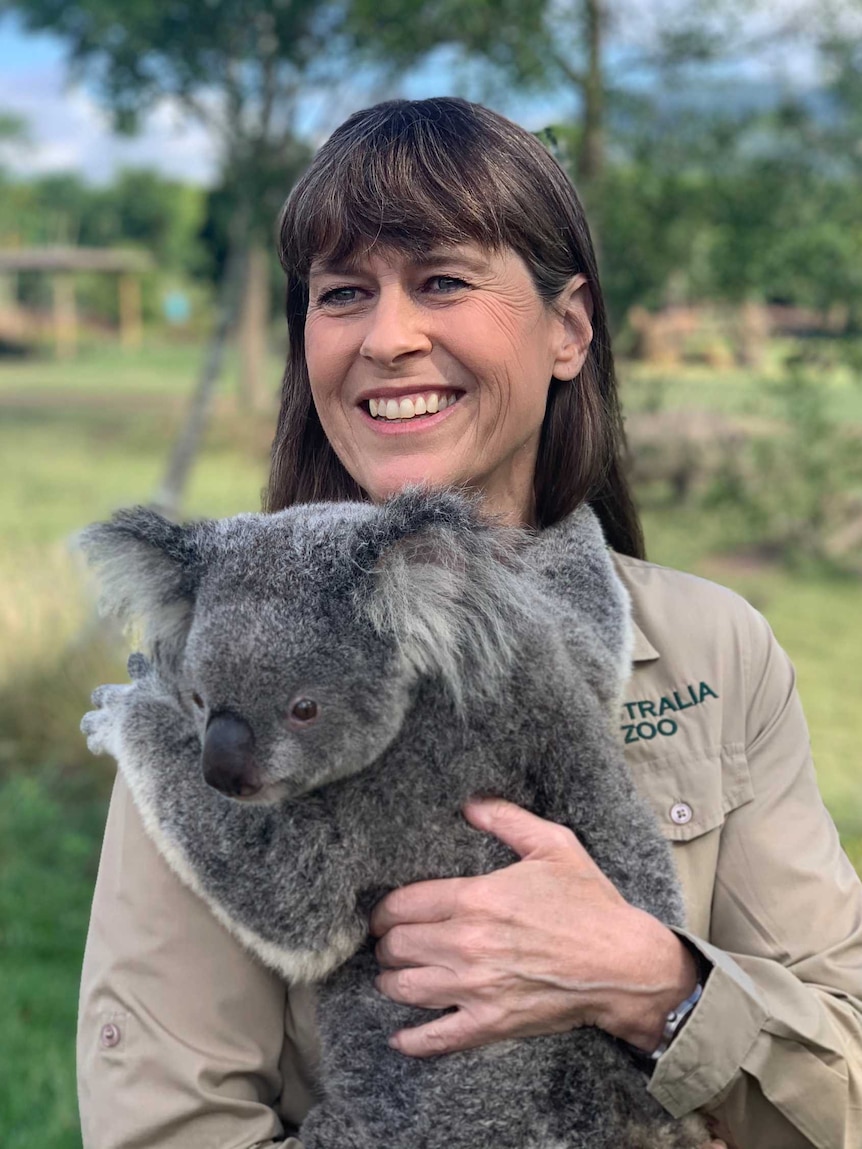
x,y
62,264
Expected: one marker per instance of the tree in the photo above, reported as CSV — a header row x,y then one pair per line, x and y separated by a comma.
x,y
610,55
555,46
239,66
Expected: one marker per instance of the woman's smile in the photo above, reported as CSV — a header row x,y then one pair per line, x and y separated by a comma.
x,y
417,410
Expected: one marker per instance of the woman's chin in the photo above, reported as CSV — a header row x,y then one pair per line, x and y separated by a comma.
x,y
382,485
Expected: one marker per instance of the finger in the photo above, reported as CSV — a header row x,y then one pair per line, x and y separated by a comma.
x,y
434,901
430,987
447,1034
416,943
526,833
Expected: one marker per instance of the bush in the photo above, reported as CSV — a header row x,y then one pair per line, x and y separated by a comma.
x,y
799,489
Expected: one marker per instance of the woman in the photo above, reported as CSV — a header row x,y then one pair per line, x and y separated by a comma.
x,y
447,326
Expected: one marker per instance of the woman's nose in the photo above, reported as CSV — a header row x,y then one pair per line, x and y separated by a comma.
x,y
396,329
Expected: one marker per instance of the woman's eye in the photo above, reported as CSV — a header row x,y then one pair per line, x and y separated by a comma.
x,y
446,284
338,296
304,710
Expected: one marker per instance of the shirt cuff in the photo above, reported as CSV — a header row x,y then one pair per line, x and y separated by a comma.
x,y
698,1066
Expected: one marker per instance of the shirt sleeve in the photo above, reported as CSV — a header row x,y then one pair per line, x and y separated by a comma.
x,y
181,1031
773,1050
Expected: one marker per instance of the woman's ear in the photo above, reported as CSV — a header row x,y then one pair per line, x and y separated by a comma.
x,y
575,310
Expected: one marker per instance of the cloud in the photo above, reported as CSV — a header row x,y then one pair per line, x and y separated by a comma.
x,y
68,130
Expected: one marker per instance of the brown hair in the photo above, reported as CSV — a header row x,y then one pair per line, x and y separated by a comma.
x,y
414,174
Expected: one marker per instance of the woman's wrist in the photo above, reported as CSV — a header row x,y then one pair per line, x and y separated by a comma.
x,y
661,974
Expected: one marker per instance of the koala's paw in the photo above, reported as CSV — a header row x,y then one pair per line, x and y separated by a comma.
x,y
102,727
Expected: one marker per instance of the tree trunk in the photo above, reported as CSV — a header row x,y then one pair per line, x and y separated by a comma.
x,y
169,496
253,331
591,155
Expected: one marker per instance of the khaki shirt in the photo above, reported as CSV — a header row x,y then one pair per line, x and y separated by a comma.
x,y
187,1042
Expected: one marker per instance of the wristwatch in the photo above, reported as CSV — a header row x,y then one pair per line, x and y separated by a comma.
x,y
677,1018
674,1022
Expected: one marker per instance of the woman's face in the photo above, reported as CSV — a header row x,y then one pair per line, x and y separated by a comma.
x,y
437,370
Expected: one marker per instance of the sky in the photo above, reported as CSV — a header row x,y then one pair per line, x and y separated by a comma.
x,y
69,131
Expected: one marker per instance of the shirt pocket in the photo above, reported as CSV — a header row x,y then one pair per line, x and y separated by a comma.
x,y
692,794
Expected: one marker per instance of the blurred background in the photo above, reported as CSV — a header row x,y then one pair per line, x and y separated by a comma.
x,y
144,153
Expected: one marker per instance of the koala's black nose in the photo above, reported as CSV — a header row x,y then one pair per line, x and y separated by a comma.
x,y
228,756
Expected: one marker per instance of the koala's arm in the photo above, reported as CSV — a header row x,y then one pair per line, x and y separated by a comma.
x,y
185,1040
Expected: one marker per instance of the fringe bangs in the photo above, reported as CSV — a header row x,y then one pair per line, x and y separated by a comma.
x,y
410,181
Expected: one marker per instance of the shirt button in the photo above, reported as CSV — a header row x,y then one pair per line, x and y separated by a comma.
x,y
110,1035
681,813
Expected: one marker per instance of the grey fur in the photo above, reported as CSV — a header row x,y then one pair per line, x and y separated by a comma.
x,y
449,657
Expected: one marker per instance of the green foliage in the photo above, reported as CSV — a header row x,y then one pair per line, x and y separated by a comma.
x,y
12,127
799,487
140,208
50,826
506,36
700,200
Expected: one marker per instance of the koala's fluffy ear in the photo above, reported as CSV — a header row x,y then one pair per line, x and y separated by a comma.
x,y
149,570
447,583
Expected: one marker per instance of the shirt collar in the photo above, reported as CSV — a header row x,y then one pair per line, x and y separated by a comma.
x,y
642,649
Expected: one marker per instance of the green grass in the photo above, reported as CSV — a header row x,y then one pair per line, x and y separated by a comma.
x,y
59,471
105,369
817,618
48,827
738,391
78,440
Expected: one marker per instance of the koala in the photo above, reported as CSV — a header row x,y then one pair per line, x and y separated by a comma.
x,y
320,692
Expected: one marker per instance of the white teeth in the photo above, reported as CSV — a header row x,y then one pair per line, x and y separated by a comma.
x,y
409,408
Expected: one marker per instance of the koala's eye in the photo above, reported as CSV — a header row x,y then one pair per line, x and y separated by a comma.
x,y
305,710
197,700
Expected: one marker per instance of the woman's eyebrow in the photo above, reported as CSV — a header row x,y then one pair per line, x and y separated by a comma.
x,y
346,266
431,258
452,256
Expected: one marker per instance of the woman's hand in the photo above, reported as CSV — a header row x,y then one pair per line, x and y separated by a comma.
x,y
546,945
